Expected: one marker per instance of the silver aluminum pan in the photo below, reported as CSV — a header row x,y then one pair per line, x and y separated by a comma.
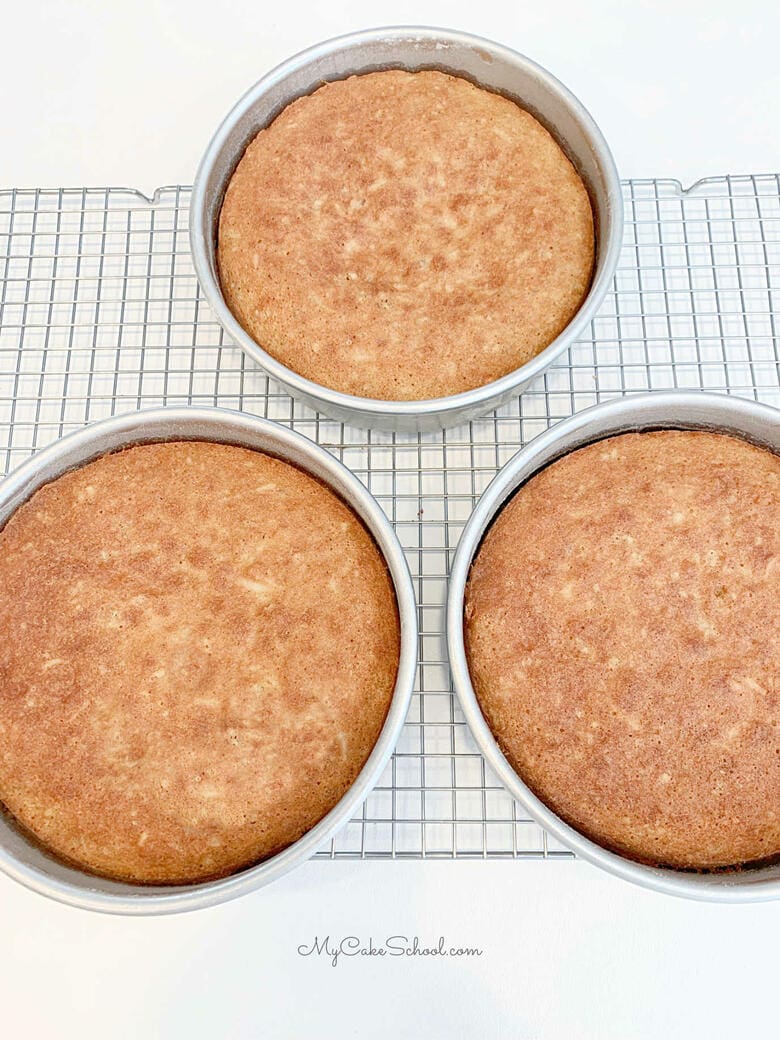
x,y
675,409
31,865
489,64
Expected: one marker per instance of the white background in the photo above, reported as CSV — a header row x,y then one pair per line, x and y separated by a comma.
x,y
128,94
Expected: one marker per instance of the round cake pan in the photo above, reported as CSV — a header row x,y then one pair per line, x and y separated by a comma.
x,y
28,862
488,64
669,410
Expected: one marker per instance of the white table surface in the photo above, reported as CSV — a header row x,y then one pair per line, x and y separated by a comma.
x,y
109,94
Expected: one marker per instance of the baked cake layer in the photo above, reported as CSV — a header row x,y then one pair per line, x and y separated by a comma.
x,y
198,649
623,636
404,236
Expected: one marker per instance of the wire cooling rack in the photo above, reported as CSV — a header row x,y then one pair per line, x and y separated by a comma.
x,y
100,313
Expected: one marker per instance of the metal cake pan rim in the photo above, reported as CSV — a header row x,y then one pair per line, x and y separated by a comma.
x,y
374,411
717,412
79,888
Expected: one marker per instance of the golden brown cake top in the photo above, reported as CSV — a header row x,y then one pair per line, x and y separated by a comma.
x,y
623,636
404,236
198,648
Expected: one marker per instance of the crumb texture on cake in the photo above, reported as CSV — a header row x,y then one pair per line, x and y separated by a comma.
x,y
198,649
404,236
622,626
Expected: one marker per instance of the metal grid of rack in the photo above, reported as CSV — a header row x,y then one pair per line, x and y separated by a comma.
x,y
101,313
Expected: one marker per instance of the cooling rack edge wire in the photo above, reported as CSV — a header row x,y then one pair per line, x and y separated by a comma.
x,y
101,313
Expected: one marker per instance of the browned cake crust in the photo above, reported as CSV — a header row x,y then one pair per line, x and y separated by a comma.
x,y
623,636
198,648
404,236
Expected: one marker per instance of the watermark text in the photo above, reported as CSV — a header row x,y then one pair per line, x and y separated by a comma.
x,y
335,950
